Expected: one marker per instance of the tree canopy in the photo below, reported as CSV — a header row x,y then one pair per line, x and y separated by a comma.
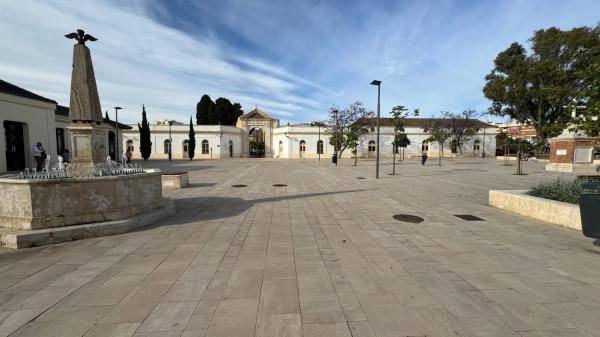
x,y
440,133
461,126
340,125
145,142
537,87
219,112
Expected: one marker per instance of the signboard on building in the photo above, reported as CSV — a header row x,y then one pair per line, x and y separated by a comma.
x,y
583,154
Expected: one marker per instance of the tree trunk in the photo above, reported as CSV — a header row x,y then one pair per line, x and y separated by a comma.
x,y
394,163
519,155
355,156
441,154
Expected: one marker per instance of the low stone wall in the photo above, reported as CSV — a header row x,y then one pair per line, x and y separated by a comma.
x,y
555,212
38,204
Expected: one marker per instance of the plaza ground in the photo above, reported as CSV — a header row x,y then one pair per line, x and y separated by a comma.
x,y
320,257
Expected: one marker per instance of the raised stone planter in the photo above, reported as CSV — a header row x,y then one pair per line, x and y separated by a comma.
x,y
38,204
554,212
173,180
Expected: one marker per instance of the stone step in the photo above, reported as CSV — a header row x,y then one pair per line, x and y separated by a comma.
x,y
19,239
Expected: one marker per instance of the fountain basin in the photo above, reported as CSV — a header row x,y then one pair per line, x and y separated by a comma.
x,y
42,204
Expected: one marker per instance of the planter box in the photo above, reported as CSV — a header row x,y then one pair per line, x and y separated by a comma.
x,y
554,212
175,180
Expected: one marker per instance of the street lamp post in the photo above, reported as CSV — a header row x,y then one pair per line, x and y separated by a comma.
x,y
170,140
378,84
117,140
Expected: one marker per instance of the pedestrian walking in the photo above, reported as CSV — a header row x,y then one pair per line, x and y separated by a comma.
x,y
39,154
424,158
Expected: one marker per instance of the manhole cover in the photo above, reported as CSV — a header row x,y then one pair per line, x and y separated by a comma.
x,y
408,218
279,185
238,186
361,178
469,217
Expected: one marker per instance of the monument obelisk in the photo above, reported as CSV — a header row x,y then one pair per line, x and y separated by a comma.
x,y
85,113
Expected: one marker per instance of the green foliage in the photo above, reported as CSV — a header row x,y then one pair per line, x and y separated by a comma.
x,y
145,143
590,96
538,87
192,141
561,189
341,125
202,110
461,126
439,133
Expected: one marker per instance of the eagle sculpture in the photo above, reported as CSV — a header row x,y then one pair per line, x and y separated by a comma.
x,y
80,36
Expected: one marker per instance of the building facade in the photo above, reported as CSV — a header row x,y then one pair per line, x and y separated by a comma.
x,y
257,134
28,118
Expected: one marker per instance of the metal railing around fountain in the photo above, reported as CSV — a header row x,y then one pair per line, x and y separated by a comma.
x,y
61,170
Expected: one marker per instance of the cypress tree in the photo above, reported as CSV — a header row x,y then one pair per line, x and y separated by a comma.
x,y
202,110
212,116
145,143
192,140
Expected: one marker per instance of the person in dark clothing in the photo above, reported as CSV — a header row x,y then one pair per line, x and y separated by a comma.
x,y
424,158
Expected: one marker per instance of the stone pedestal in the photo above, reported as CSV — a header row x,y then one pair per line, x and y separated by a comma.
x,y
572,152
87,144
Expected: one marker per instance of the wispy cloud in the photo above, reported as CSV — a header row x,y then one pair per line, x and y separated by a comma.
x,y
294,58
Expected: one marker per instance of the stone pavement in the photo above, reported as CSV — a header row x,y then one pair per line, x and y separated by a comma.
x,y
321,257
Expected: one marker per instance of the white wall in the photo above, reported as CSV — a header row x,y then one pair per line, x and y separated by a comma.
x,y
40,125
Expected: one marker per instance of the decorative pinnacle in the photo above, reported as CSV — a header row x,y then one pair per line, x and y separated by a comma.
x,y
81,37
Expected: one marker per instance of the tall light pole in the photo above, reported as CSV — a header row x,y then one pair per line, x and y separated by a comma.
x,y
378,84
117,140
170,140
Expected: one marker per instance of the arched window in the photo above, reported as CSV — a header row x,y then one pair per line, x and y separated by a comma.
x,y
425,146
320,147
302,148
454,146
372,146
167,146
130,147
185,145
476,145
205,149
280,147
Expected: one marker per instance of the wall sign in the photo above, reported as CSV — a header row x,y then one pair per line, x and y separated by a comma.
x,y
561,152
583,154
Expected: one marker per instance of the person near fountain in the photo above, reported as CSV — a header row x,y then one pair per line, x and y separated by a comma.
x,y
39,154
128,156
66,156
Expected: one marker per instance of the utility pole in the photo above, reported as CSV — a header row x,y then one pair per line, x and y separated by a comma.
x,y
378,84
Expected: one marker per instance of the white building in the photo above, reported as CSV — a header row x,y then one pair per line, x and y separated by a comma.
x,y
28,118
257,134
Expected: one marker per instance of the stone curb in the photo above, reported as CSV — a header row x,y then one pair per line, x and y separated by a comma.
x,y
19,239
554,212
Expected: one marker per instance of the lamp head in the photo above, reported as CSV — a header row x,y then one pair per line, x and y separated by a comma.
x,y
375,82
118,108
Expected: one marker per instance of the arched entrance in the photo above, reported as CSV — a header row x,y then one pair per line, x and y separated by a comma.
x,y
302,148
230,149
280,149
256,142
372,149
186,148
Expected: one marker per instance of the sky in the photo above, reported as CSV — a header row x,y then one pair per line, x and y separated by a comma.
x,y
294,59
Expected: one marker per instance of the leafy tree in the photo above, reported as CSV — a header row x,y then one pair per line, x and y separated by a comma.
x,y
439,133
402,142
191,141
537,87
461,126
399,113
589,96
145,143
236,113
202,115
352,137
340,122
213,119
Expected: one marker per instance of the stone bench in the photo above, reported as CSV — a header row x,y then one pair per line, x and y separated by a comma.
x,y
175,180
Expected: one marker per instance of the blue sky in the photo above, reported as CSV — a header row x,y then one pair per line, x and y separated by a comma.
x,y
294,59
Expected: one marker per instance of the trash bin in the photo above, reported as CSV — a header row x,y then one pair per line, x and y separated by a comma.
x,y
334,158
588,207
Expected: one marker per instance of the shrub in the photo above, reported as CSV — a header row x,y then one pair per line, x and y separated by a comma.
x,y
561,189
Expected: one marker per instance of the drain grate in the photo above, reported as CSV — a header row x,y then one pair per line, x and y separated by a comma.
x,y
361,178
279,185
239,186
469,217
408,218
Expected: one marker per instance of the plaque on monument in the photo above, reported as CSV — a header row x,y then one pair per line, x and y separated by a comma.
x,y
561,152
583,154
